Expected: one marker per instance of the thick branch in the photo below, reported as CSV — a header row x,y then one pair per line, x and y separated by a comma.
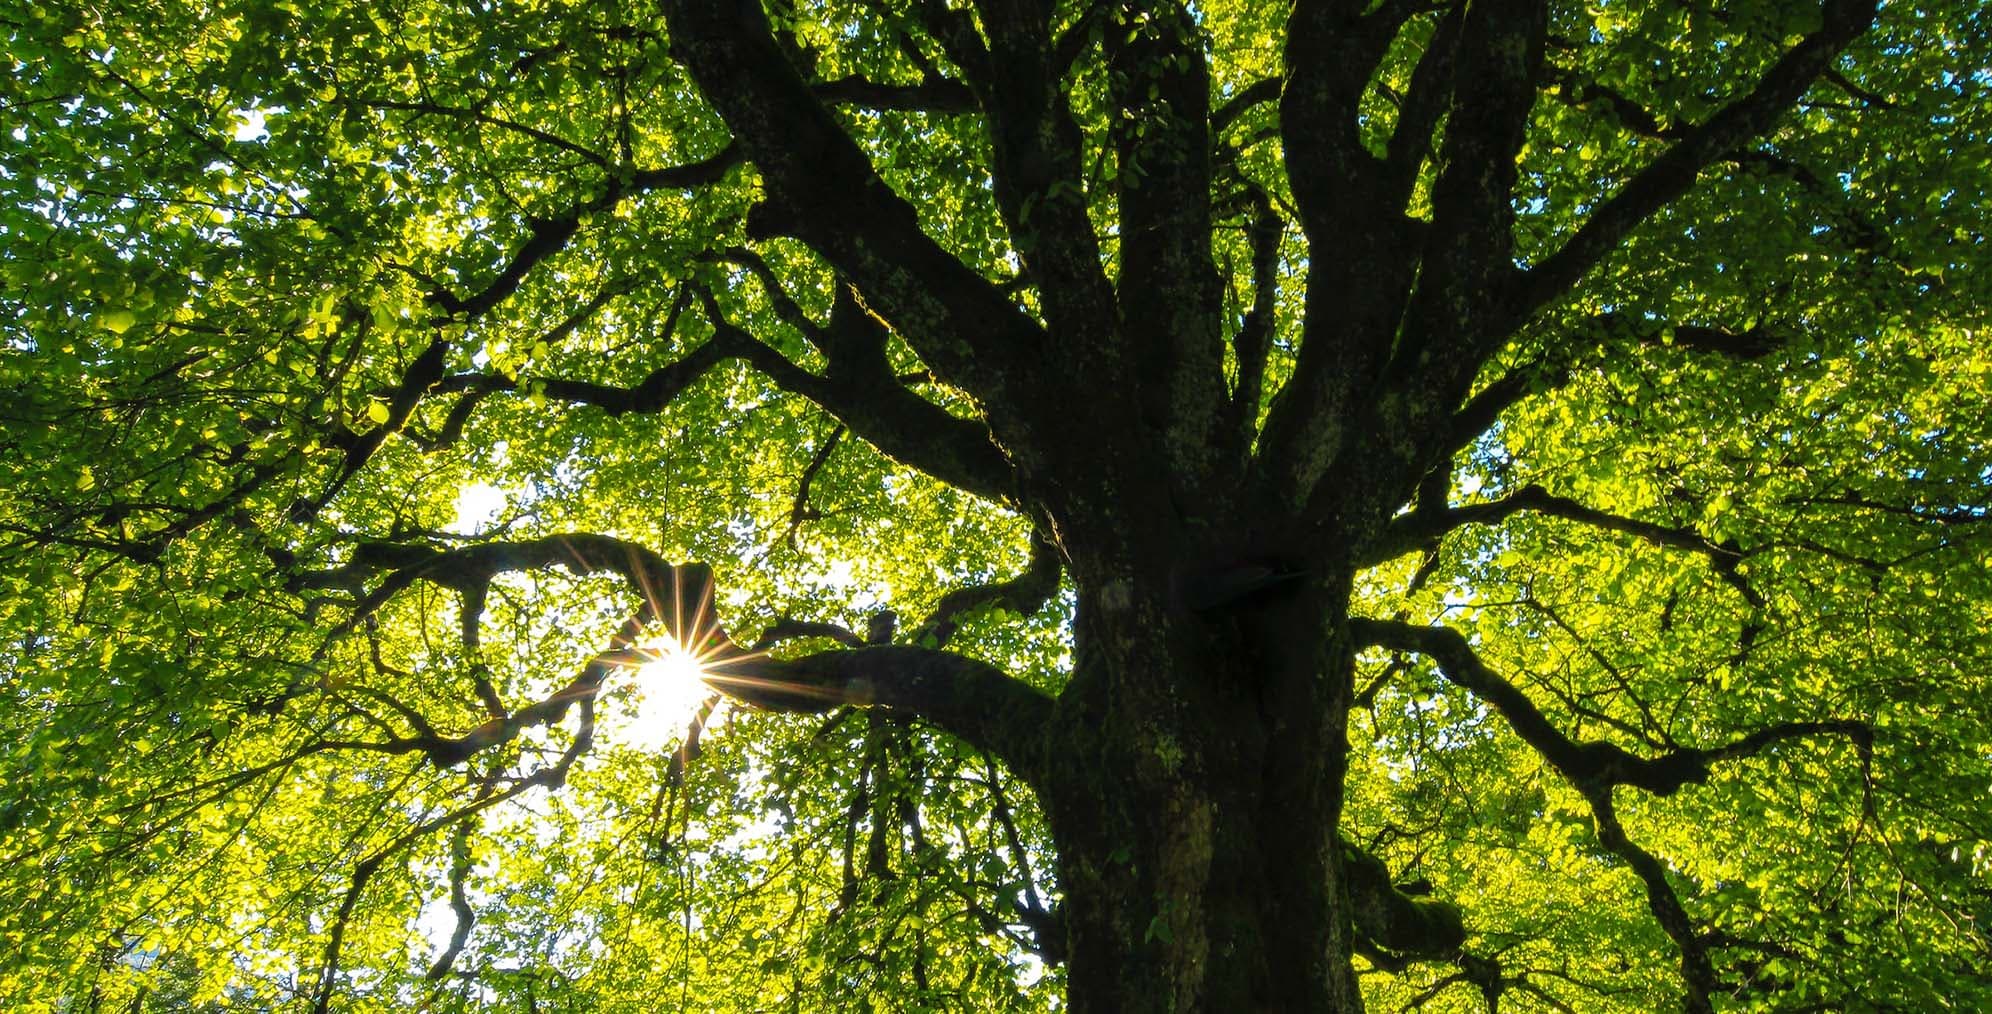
x,y
1170,296
862,392
972,699
1243,101
1354,296
1469,249
933,95
1754,342
1038,162
787,629
1481,411
471,567
1424,101
822,189
1401,926
1332,49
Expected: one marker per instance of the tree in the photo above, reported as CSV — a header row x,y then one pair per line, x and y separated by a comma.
x,y
1447,503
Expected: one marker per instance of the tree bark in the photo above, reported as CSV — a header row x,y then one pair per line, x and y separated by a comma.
x,y
1196,803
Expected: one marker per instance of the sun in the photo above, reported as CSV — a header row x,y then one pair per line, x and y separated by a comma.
x,y
667,693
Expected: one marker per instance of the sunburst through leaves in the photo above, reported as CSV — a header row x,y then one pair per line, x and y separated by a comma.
x,y
662,697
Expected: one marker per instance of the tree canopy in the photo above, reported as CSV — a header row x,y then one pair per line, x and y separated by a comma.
x,y
1464,504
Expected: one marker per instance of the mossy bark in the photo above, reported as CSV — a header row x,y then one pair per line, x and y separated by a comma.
x,y
1197,797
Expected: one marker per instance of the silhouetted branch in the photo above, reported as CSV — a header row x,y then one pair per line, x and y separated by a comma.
x,y
801,509
1593,765
1411,530
933,95
1024,594
786,629
1673,172
970,698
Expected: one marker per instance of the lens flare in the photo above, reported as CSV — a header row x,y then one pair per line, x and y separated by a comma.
x,y
667,693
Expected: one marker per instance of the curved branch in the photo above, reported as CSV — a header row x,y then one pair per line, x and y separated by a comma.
x,y
1419,527
863,394
822,189
789,629
651,394
1400,928
1046,922
677,598
972,699
779,299
1697,972
1480,412
1026,594
1579,91
1423,103
800,509
1596,768
1674,171
1038,157
473,566
460,867
1593,765
1354,299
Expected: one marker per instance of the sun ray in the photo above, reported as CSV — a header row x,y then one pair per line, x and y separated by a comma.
x,y
663,695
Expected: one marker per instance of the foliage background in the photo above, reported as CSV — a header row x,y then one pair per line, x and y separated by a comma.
x,y
225,228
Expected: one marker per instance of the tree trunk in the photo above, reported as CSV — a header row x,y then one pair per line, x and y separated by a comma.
x,y
1196,803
